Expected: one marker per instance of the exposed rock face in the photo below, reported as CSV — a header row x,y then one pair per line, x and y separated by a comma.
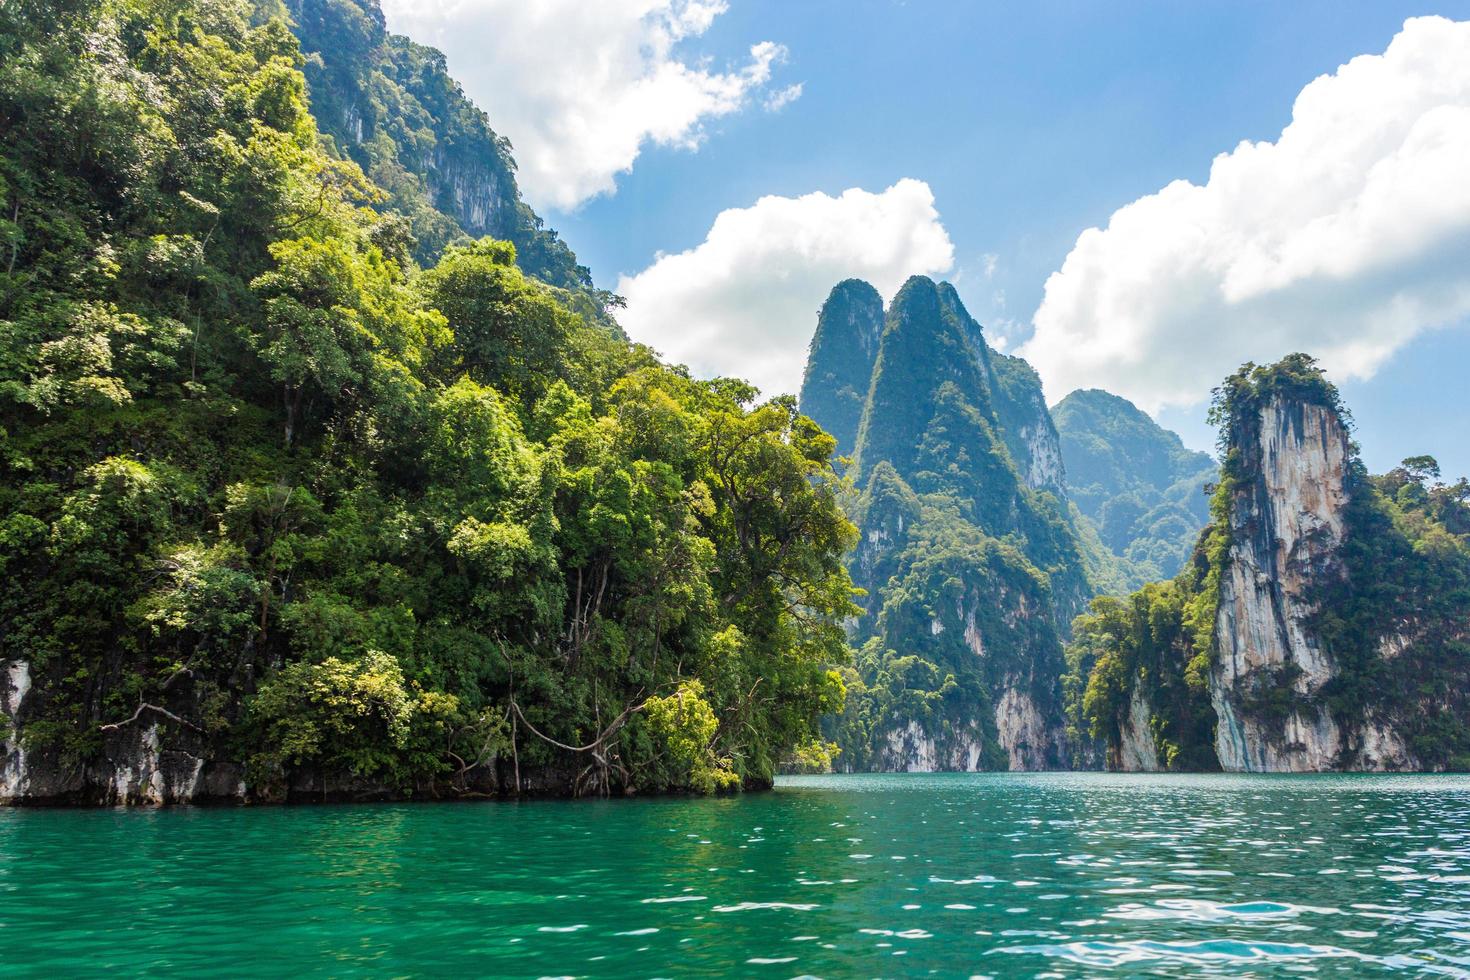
x,y
910,749
391,106
135,768
1287,525
1026,423
153,762
1043,455
15,684
1025,734
1137,750
476,193
1028,740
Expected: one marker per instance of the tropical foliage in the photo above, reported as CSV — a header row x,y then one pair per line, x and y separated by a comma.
x,y
272,484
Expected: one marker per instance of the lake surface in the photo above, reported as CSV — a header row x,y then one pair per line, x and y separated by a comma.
x,y
947,875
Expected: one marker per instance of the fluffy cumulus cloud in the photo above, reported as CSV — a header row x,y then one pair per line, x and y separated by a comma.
x,y
744,302
1345,237
581,86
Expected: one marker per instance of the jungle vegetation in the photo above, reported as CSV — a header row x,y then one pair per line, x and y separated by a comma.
x,y
324,483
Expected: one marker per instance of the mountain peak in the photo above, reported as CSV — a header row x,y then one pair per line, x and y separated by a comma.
x,y
840,363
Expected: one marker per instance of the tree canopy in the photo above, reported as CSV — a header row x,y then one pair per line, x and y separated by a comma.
x,y
308,504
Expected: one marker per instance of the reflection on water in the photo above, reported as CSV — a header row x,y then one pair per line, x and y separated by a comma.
x,y
1004,875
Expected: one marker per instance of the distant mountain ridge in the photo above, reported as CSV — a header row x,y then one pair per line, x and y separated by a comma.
x,y
976,549
1133,480
839,370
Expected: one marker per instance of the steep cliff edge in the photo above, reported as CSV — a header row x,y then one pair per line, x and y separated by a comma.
x,y
391,106
1322,622
286,515
139,764
839,365
1286,527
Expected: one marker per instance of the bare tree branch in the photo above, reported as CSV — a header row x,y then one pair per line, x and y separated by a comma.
x,y
154,708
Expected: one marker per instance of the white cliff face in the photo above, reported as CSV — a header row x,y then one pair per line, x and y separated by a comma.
x,y
1022,731
477,195
911,749
1309,742
1137,750
867,329
150,775
973,640
15,684
1380,748
1287,526
135,767
1043,467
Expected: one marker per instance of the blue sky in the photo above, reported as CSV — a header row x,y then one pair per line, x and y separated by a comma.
x,y
1029,122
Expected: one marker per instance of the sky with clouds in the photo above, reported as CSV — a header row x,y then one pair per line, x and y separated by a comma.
x,y
1136,196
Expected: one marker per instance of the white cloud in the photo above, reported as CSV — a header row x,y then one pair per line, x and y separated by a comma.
x,y
781,98
744,302
581,86
1345,238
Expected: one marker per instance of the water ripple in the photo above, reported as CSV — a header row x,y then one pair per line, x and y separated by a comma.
x,y
1057,874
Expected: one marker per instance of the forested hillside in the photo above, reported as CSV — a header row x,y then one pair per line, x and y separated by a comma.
x,y
302,496
1134,482
390,106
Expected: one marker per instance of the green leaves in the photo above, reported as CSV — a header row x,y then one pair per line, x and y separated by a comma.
x,y
352,715
336,512
683,726
508,331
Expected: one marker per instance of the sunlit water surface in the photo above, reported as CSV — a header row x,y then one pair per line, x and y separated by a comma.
x,y
949,875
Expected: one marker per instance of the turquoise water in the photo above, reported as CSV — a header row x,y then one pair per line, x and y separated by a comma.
x,y
998,875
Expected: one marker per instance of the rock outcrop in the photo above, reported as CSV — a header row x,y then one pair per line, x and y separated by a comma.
x,y
15,684
1320,624
1288,523
135,768
390,105
153,761
1137,750
910,748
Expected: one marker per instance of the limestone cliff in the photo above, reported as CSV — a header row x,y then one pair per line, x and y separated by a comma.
x,y
135,766
1321,621
156,760
1136,749
15,684
391,106
1287,528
